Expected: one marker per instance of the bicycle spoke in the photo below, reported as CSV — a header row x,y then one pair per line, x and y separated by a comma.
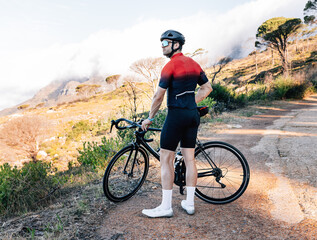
x,y
125,174
230,170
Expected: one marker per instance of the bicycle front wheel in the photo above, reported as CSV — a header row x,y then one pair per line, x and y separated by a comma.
x,y
125,173
223,172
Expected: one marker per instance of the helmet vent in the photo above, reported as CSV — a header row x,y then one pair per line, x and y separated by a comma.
x,y
170,35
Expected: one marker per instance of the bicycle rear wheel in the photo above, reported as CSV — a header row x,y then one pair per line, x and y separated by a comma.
x,y
231,169
125,173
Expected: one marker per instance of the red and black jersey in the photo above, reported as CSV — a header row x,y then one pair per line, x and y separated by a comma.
x,y
180,77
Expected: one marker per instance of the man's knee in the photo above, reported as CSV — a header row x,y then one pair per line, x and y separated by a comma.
x,y
166,156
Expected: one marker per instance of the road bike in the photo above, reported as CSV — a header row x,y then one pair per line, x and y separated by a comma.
x,y
223,171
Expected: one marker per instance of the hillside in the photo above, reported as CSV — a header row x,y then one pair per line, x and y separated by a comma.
x,y
59,92
302,54
62,118
63,107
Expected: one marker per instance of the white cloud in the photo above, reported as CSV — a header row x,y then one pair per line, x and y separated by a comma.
x,y
111,51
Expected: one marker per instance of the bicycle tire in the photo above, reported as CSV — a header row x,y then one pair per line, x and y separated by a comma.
x,y
235,171
118,183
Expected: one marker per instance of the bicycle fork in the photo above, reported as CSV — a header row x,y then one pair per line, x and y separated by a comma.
x,y
136,148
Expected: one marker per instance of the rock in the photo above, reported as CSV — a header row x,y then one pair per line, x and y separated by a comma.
x,y
234,126
41,155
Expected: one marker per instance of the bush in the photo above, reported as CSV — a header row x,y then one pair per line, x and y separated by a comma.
x,y
226,98
281,86
239,100
78,129
98,155
22,107
159,118
220,93
125,136
27,188
209,102
258,92
291,88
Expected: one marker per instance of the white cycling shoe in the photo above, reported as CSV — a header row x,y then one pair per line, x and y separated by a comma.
x,y
189,209
158,212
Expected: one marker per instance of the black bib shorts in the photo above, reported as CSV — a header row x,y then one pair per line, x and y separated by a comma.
x,y
181,125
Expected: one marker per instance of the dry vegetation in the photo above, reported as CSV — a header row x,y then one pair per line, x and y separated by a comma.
x,y
71,124
24,134
59,122
133,96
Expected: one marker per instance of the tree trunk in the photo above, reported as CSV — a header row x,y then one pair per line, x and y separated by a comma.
x,y
283,54
256,63
285,63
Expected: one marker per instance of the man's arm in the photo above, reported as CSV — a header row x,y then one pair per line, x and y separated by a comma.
x,y
156,104
157,101
203,92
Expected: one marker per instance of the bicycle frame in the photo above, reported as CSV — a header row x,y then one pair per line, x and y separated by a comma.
x,y
130,166
141,141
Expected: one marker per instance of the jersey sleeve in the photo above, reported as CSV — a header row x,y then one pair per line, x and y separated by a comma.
x,y
166,75
203,78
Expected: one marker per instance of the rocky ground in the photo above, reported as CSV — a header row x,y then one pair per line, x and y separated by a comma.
x,y
280,202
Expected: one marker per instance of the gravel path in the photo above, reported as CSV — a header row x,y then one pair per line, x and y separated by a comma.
x,y
291,145
280,202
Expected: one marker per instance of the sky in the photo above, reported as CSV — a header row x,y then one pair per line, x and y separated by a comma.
x,y
55,40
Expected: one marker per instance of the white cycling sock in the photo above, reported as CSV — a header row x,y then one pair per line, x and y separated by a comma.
x,y
190,196
166,199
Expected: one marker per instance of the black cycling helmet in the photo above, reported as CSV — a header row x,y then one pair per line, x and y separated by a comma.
x,y
174,36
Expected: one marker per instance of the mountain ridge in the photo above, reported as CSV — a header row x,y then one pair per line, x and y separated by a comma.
x,y
58,92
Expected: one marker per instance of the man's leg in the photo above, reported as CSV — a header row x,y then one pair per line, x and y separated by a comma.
x,y
167,168
167,179
191,169
191,179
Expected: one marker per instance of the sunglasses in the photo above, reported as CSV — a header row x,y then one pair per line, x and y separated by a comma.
x,y
165,43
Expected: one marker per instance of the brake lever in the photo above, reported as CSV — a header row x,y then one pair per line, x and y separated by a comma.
x,y
113,122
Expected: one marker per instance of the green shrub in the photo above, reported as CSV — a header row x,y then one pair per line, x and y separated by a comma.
x,y
280,87
258,92
159,118
209,102
220,93
290,88
98,155
297,91
226,98
239,100
78,129
27,188
125,136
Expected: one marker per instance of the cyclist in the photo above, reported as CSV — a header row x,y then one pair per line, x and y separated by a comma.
x,y
179,78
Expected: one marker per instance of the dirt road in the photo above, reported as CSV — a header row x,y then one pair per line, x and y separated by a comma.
x,y
279,143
